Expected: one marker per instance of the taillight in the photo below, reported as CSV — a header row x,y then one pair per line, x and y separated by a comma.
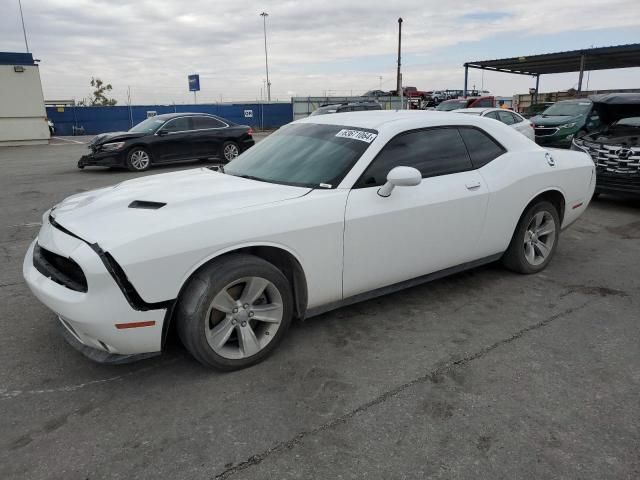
x,y
250,132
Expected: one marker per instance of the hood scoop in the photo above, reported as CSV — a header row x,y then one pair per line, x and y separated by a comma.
x,y
145,205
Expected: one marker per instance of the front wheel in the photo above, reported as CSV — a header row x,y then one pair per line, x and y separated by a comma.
x,y
138,159
229,151
234,312
535,239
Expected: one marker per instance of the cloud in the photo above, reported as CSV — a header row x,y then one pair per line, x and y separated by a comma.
x,y
151,45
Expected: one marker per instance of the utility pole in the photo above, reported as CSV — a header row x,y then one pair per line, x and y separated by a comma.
x,y
380,82
398,79
24,31
264,16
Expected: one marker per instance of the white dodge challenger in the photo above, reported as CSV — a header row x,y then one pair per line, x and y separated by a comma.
x,y
327,211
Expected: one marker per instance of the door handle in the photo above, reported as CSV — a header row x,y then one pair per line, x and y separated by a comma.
x,y
472,185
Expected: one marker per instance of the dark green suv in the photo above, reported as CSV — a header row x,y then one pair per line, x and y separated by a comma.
x,y
558,124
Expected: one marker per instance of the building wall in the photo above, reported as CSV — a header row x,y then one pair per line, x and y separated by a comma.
x,y
22,112
94,120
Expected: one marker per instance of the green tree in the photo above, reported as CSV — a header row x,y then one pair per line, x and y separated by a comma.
x,y
99,97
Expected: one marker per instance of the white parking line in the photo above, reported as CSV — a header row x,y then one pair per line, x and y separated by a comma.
x,y
66,140
31,224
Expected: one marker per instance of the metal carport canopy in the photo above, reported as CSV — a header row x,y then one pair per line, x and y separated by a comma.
x,y
601,58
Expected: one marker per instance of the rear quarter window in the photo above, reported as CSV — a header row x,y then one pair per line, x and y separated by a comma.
x,y
482,148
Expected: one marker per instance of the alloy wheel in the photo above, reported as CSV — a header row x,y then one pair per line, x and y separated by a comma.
x,y
140,159
244,317
231,151
539,238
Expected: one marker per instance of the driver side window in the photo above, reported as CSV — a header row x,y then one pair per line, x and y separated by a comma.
x,y
437,151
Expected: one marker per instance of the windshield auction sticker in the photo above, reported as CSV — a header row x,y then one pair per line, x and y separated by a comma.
x,y
361,135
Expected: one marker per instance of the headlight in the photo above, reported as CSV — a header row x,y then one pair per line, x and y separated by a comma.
x,y
568,125
109,147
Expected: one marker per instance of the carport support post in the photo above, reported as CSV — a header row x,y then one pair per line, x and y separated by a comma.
x,y
466,80
537,86
581,73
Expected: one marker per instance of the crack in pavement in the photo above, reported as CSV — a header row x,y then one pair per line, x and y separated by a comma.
x,y
6,394
10,284
430,376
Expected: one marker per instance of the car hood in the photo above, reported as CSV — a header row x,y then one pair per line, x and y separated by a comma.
x,y
114,136
162,202
555,120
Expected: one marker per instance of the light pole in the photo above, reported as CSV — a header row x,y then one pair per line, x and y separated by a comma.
x,y
398,81
24,31
264,16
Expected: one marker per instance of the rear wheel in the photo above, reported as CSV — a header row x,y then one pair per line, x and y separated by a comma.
x,y
535,239
234,312
138,159
229,151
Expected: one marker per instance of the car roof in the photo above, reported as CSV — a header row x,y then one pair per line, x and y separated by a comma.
x,y
167,116
482,110
617,98
376,119
576,100
391,122
478,110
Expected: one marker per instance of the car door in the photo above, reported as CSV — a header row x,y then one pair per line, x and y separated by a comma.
x,y
173,141
416,230
208,135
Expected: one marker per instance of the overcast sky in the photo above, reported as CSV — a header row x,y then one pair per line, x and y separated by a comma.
x,y
338,47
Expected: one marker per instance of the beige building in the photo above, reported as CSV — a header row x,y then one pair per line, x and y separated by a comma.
x,y
23,118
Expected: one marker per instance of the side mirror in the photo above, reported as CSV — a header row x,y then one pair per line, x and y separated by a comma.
x,y
400,177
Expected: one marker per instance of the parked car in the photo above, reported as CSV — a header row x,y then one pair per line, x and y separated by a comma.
x,y
507,117
377,93
327,211
558,124
169,138
413,92
439,96
469,102
347,107
616,148
535,109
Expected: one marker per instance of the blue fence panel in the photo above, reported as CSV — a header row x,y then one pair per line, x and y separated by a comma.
x,y
96,120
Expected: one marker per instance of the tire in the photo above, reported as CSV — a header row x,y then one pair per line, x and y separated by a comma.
x,y
138,159
529,253
221,330
229,150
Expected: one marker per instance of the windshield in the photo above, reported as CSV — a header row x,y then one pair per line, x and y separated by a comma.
x,y
304,154
568,109
451,105
150,125
628,122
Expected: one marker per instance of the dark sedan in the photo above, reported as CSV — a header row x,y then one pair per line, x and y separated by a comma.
x,y
169,138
